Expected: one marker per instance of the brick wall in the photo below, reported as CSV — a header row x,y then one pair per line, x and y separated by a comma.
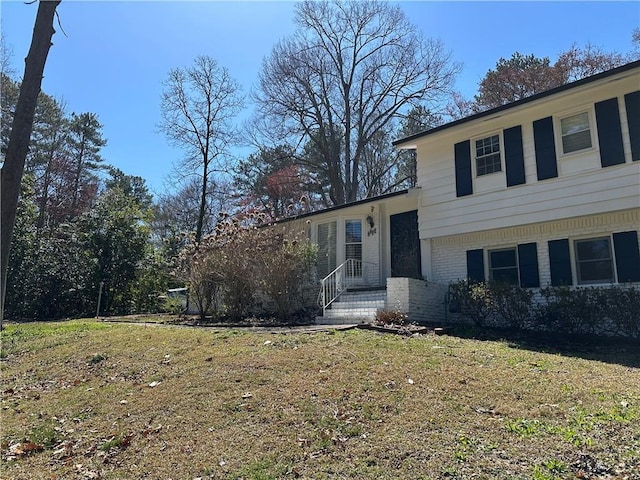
x,y
449,253
422,301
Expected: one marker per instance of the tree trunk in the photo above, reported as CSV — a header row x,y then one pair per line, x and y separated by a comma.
x,y
11,173
203,202
44,199
76,180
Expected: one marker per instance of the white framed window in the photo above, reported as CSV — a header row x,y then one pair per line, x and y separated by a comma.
x,y
594,260
488,157
353,246
575,132
503,266
327,248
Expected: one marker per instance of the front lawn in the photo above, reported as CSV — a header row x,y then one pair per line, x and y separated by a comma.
x,y
84,399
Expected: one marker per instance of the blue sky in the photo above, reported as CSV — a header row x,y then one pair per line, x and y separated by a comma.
x,y
116,54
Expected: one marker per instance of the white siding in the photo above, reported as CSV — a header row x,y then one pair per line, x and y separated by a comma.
x,y
375,241
583,187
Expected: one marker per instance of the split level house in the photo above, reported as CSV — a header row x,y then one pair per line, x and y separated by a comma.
x,y
542,191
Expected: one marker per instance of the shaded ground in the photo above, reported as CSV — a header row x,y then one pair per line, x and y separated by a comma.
x,y
89,399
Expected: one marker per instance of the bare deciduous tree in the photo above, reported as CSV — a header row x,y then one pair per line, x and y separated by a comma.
x,y
6,52
342,79
198,105
577,63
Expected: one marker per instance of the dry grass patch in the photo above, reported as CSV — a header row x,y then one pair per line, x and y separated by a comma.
x,y
85,399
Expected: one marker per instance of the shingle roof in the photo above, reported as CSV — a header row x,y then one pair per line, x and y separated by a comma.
x,y
532,98
344,205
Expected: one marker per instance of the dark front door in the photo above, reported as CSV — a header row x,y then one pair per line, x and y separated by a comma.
x,y
405,245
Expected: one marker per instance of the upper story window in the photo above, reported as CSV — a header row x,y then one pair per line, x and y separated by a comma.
x,y
576,132
594,261
488,155
503,266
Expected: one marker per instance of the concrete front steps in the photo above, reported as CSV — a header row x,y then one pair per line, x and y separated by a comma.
x,y
357,306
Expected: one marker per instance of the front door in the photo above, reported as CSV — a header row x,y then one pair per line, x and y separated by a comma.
x,y
405,245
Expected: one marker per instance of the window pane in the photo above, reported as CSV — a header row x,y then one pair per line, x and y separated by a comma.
x,y
503,258
495,144
326,248
489,164
593,249
488,155
576,123
576,134
353,231
503,266
575,142
354,251
506,275
353,246
594,261
596,272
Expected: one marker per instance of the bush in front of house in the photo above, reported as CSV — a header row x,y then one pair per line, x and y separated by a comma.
x,y
285,265
568,310
475,299
623,306
205,281
391,318
230,272
512,304
611,310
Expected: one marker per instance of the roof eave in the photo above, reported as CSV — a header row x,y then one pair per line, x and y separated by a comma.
x,y
409,142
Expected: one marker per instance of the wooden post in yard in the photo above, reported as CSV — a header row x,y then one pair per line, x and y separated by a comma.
x,y
99,299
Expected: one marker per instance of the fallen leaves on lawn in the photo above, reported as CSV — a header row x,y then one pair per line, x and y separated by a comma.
x,y
24,448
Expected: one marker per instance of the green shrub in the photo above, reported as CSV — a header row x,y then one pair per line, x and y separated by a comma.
x,y
172,305
513,304
569,310
623,308
610,310
475,299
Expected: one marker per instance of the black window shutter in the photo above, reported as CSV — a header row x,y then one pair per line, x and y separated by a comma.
x,y
560,262
609,133
546,163
514,156
632,103
464,182
627,256
475,265
528,265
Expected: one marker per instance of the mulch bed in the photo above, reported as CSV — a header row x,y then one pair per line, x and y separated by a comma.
x,y
410,329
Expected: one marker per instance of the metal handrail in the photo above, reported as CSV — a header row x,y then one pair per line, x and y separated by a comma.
x,y
334,284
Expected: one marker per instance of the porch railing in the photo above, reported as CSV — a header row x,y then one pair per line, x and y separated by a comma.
x,y
331,287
